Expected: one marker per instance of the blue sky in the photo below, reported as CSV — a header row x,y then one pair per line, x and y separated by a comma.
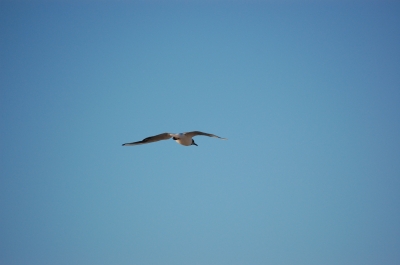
x,y
307,94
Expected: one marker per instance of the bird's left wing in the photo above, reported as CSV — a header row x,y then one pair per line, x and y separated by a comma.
x,y
151,139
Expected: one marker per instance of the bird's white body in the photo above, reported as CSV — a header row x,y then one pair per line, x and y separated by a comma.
x,y
181,138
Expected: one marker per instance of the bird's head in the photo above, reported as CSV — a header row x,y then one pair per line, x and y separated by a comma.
x,y
193,143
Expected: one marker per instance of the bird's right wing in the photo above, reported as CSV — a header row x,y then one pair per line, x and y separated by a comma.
x,y
151,139
195,133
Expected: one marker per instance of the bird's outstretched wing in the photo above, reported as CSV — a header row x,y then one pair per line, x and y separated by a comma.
x,y
195,133
151,139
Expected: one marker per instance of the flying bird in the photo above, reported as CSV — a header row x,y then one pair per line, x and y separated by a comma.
x,y
181,138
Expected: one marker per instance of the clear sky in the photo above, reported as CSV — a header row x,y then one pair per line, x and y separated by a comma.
x,y
307,92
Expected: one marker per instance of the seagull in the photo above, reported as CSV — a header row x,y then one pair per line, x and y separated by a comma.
x,y
181,138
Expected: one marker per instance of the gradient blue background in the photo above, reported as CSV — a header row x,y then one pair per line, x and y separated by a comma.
x,y
307,93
